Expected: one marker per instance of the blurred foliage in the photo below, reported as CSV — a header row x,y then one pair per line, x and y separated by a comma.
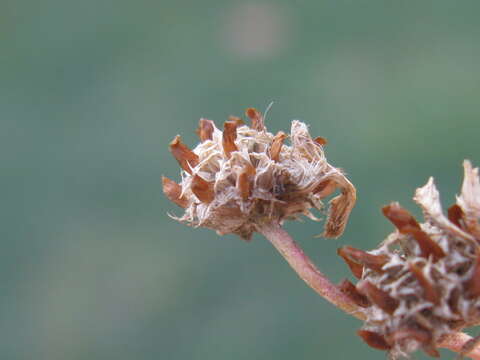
x,y
91,93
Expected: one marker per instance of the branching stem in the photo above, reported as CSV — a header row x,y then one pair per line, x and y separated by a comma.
x,y
314,278
306,270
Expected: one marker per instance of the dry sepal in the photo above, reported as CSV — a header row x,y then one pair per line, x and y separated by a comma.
x,y
423,281
238,178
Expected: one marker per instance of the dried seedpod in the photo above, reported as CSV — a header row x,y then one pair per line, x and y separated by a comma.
x,y
423,282
243,176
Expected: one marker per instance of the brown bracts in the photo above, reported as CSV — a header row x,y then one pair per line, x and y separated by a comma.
x,y
400,217
428,246
321,141
237,120
455,215
430,293
373,339
417,290
427,284
257,119
379,297
326,188
205,129
173,192
407,224
351,291
229,137
374,262
469,200
355,267
244,181
276,146
185,157
246,171
202,189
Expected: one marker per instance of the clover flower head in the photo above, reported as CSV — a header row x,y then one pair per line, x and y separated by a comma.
x,y
423,281
238,177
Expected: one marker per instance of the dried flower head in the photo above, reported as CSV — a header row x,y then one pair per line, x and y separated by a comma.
x,y
242,176
423,281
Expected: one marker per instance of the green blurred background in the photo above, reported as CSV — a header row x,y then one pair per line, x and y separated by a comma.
x,y
91,93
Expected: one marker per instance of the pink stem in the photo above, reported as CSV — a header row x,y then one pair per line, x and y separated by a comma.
x,y
306,270
456,342
309,273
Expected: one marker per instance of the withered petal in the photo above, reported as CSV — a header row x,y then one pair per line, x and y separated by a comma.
x,y
469,199
249,169
173,192
374,340
408,333
340,208
453,300
185,157
351,291
202,189
205,129
428,198
229,137
256,117
237,120
400,217
427,245
355,268
276,146
378,296
321,140
455,215
374,262
325,188
243,184
430,293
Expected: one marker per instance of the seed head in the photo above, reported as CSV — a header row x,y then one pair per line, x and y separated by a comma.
x,y
423,281
238,178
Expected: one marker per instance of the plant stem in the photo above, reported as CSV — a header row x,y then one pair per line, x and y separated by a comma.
x,y
314,278
456,343
306,270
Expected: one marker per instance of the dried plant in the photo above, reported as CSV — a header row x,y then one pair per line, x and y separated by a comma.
x,y
416,291
423,282
236,180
